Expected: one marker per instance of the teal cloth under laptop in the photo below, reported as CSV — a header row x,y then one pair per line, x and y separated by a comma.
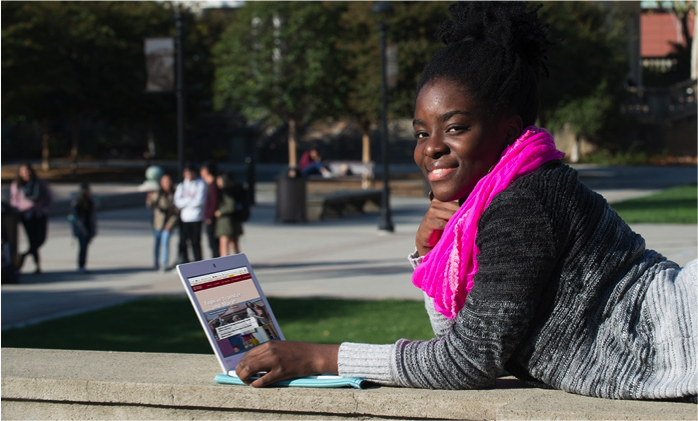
x,y
236,316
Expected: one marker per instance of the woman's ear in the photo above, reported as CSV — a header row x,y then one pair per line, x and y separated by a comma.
x,y
513,126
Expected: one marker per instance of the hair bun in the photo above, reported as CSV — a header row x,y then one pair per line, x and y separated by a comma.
x,y
495,51
506,24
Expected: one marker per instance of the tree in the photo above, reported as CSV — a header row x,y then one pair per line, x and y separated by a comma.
x,y
413,29
279,62
79,60
587,69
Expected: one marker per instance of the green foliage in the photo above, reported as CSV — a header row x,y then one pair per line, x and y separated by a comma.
x,y
86,59
323,60
81,57
678,205
279,60
168,324
411,29
587,67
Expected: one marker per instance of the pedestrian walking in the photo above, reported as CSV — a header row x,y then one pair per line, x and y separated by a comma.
x,y
189,199
209,172
84,223
32,197
165,218
229,214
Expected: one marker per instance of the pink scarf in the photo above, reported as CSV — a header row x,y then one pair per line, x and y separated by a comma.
x,y
447,272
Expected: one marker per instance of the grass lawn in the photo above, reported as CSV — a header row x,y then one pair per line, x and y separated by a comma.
x,y
678,205
169,324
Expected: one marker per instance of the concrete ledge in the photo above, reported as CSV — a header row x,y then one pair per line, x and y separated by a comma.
x,y
57,384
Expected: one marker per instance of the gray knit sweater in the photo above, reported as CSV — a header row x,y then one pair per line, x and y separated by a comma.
x,y
566,296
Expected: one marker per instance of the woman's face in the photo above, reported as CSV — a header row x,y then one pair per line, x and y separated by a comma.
x,y
166,182
456,142
24,173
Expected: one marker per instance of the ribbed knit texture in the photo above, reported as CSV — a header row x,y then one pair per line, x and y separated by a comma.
x,y
566,296
366,361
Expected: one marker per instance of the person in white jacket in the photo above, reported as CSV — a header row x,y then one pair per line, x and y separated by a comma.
x,y
189,198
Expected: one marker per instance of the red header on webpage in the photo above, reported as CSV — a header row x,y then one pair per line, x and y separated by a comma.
x,y
197,280
220,282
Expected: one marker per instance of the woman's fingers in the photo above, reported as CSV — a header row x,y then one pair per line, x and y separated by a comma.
x,y
282,360
433,224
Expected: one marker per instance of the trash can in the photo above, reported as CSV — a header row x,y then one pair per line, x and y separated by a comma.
x,y
10,219
290,199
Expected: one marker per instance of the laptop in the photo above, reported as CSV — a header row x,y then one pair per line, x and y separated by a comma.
x,y
231,307
236,316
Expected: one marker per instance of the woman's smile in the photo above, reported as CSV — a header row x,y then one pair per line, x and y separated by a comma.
x,y
440,174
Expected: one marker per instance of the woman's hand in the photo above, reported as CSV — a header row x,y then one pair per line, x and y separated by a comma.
x,y
284,360
433,224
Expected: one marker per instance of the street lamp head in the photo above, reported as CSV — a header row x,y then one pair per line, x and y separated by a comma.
x,y
383,9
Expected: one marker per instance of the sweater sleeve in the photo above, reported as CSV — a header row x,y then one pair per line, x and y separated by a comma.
x,y
517,255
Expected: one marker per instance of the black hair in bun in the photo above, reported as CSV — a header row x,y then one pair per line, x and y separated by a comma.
x,y
496,50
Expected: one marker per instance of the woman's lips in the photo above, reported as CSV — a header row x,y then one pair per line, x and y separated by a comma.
x,y
440,174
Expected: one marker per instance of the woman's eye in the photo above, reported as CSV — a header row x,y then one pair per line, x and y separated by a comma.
x,y
420,135
455,129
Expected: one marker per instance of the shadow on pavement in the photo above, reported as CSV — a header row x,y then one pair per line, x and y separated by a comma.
x,y
73,275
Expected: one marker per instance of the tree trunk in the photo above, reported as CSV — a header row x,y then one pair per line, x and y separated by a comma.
x,y
576,149
75,136
45,157
366,177
292,144
366,144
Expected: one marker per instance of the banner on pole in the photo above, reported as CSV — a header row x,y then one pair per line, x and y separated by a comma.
x,y
159,61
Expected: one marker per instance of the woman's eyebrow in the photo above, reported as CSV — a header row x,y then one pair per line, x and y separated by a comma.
x,y
447,116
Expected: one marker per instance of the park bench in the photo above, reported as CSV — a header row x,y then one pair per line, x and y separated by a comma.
x,y
337,204
346,170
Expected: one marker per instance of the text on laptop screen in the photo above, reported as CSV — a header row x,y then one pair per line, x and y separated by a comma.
x,y
234,311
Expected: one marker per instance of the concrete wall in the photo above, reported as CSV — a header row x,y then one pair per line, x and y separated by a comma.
x,y
56,384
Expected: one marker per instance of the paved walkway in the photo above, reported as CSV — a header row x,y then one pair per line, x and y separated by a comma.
x,y
347,258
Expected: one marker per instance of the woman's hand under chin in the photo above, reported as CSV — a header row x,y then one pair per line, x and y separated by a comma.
x,y
433,224
283,360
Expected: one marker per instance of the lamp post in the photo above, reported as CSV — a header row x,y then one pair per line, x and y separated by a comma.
x,y
179,40
383,10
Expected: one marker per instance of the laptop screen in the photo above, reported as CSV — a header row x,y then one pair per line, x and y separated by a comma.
x,y
233,309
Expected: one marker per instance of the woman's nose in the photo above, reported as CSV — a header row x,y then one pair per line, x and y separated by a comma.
x,y
435,146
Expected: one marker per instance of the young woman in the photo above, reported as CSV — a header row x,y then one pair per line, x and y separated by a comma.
x,y
32,197
84,221
523,267
228,226
165,217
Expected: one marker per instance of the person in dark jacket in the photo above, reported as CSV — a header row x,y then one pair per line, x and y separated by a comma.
x,y
209,171
228,225
84,221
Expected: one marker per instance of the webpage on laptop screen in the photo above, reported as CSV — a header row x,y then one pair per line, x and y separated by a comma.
x,y
233,309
